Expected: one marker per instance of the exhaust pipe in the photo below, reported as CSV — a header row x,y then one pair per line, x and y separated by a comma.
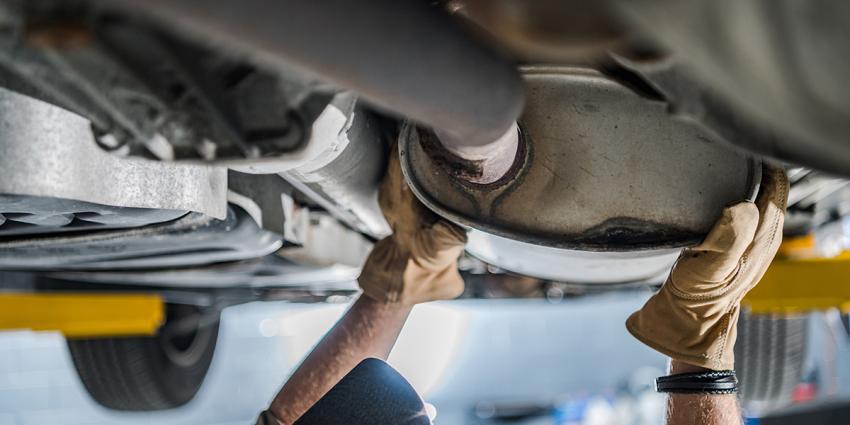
x,y
410,57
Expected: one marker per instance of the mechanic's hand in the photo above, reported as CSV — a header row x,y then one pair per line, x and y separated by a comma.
x,y
693,317
418,262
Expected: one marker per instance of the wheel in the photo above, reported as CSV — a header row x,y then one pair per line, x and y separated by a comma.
x,y
769,359
149,373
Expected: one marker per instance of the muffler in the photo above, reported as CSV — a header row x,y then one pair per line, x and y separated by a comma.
x,y
599,167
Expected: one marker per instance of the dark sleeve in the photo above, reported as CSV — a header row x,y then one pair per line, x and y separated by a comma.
x,y
373,393
266,418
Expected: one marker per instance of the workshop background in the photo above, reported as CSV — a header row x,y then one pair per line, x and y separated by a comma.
x,y
535,360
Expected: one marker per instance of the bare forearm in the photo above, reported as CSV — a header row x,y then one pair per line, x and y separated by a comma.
x,y
368,329
701,409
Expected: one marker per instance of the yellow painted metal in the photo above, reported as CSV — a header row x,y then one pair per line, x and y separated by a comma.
x,y
797,248
84,314
799,285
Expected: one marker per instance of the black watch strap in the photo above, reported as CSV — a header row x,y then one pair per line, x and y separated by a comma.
x,y
714,382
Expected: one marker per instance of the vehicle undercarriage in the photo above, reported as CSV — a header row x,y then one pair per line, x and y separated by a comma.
x,y
220,151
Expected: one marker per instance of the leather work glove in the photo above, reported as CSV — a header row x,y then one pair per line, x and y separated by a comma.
x,y
693,318
418,262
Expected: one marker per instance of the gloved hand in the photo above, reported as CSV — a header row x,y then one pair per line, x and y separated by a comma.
x,y
418,262
693,317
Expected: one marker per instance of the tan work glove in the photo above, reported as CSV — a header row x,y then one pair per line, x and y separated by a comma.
x,y
418,262
693,317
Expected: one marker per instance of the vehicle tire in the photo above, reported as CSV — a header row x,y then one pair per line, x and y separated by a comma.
x,y
149,373
769,359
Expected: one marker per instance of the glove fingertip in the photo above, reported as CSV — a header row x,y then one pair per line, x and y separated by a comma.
x,y
733,231
449,231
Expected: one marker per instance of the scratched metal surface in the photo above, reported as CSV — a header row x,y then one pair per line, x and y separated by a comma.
x,y
603,169
50,152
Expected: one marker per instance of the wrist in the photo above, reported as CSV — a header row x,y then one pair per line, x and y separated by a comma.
x,y
690,379
384,306
677,367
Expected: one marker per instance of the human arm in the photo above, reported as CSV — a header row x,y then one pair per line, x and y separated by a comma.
x,y
416,264
368,329
693,317
701,409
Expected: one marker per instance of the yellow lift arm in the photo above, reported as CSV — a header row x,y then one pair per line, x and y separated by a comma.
x,y
802,284
83,314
